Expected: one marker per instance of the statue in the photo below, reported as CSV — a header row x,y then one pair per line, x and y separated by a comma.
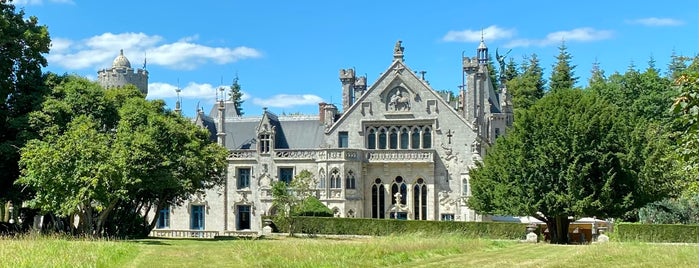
x,y
399,102
398,49
501,61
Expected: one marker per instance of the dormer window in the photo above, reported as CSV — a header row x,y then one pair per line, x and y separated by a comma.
x,y
265,143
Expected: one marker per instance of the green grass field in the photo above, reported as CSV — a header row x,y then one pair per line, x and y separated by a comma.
x,y
412,250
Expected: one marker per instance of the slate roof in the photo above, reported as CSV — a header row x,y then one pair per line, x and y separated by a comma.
x,y
292,132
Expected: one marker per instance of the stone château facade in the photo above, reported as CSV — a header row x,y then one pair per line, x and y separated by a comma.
x,y
398,149
121,74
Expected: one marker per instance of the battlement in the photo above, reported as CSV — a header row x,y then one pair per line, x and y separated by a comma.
x,y
346,74
470,65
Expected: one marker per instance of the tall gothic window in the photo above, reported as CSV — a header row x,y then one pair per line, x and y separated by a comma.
x,y
427,138
378,199
286,174
321,178
415,138
350,181
399,186
335,179
371,139
382,138
404,139
393,139
420,200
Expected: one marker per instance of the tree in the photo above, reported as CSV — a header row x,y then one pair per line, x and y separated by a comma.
x,y
289,198
570,155
236,96
111,151
563,74
677,65
23,44
511,70
529,86
686,123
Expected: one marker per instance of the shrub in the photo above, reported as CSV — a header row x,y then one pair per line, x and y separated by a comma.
x,y
311,206
657,233
380,227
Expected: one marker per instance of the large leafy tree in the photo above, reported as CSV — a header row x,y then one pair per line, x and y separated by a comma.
x,y
686,124
529,86
570,155
105,152
23,43
563,73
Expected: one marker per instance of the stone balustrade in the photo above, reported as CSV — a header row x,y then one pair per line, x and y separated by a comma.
x,y
183,233
426,156
342,155
242,154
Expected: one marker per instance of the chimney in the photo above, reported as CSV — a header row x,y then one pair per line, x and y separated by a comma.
x,y
321,112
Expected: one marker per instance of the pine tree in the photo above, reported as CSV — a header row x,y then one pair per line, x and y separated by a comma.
x,y
236,96
529,86
563,75
511,70
677,65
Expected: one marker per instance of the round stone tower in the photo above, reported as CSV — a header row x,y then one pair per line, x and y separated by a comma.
x,y
122,74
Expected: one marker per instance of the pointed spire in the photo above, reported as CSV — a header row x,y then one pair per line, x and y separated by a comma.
x,y
482,51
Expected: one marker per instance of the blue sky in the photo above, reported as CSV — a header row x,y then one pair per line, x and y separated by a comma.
x,y
287,54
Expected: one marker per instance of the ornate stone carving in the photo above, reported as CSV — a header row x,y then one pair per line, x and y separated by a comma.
x,y
400,100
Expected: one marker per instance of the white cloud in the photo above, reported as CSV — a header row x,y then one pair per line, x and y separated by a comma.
x,y
98,52
287,101
585,34
493,32
653,21
40,2
192,90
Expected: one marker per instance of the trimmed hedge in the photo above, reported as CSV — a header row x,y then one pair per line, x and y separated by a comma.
x,y
658,233
379,227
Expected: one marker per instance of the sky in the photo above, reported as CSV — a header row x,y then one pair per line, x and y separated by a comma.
x,y
287,54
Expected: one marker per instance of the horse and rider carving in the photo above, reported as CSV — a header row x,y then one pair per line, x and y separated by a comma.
x,y
399,101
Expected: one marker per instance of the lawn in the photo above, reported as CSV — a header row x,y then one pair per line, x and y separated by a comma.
x,y
412,250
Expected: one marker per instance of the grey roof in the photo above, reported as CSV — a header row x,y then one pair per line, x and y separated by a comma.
x,y
230,110
292,132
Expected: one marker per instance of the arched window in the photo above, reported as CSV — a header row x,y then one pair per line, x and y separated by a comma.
x,y
371,139
404,138
382,138
399,186
464,187
378,200
350,181
321,178
335,179
393,139
427,138
415,138
420,200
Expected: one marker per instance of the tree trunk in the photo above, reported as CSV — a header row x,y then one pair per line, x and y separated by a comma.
x,y
154,221
558,229
103,217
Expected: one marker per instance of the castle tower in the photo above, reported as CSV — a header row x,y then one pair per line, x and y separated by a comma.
x,y
121,74
347,78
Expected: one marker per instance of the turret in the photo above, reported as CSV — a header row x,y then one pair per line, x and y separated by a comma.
x,y
482,53
348,79
359,87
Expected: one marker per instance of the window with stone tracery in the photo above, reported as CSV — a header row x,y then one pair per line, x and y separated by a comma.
x,y
350,181
399,137
378,200
335,179
420,200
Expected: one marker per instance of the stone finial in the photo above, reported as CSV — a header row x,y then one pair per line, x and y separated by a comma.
x,y
398,51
